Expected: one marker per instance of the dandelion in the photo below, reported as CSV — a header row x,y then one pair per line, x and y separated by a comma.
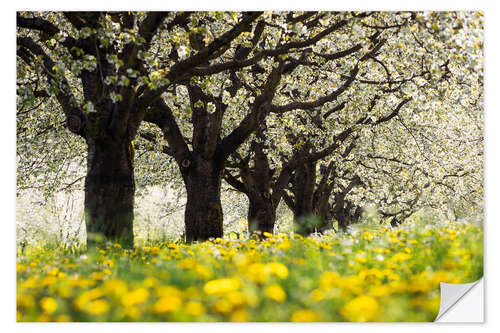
x,y
194,309
329,279
98,307
400,256
304,316
258,273
278,269
275,292
221,286
168,304
361,309
48,305
135,297
223,306
317,295
236,298
239,315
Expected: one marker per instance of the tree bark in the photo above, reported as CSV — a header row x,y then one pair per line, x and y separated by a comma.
x,y
109,192
261,215
203,215
304,183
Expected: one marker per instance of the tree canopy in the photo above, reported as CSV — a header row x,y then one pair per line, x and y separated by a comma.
x,y
330,110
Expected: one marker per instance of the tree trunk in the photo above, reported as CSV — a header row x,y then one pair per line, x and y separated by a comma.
x,y
261,215
109,192
203,215
304,184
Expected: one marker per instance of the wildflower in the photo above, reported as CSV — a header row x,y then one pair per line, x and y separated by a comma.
x,y
400,256
48,305
284,245
276,293
83,300
98,307
135,297
167,304
317,295
239,315
362,309
167,291
304,316
223,306
380,290
194,308
203,272
278,269
48,280
235,298
114,287
258,273
132,312
360,258
329,279
222,286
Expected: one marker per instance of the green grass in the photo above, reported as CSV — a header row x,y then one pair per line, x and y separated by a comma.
x,y
373,274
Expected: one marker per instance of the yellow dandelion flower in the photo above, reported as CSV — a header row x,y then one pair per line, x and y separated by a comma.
x,y
258,272
235,298
132,312
284,245
360,258
275,292
223,306
167,304
98,307
317,295
203,271
361,309
48,305
162,291
194,308
48,280
400,256
278,269
305,315
221,286
380,290
239,315
114,287
329,280
135,297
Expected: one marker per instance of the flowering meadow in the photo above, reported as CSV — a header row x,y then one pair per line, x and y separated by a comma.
x,y
369,274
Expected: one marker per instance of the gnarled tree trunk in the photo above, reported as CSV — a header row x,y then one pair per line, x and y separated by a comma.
x,y
304,183
261,215
109,191
203,215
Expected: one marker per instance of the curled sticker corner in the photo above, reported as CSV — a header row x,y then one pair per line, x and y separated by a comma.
x,y
451,294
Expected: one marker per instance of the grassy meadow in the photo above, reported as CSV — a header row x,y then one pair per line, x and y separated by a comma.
x,y
371,274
